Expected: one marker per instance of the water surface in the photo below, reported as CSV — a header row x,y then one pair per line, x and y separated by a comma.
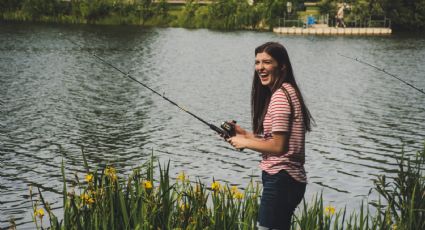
x,y
57,99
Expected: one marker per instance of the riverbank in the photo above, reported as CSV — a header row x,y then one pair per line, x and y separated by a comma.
x,y
224,15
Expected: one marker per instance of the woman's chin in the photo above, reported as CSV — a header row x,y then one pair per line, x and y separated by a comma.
x,y
265,82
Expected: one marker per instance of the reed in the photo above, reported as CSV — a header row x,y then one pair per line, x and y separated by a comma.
x,y
104,200
402,207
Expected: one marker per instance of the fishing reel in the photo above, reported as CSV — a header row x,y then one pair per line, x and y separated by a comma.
x,y
228,129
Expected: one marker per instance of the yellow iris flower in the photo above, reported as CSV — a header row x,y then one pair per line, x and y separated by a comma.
x,y
181,177
215,186
147,184
39,213
89,178
330,210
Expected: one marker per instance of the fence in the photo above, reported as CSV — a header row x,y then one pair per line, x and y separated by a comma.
x,y
325,19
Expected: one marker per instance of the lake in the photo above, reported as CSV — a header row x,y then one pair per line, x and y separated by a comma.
x,y
56,99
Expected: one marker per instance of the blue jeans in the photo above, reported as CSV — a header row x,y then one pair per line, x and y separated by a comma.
x,y
281,195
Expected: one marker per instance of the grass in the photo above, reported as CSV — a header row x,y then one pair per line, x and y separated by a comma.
x,y
103,200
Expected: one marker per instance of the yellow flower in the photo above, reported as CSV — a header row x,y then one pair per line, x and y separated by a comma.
x,y
181,177
329,210
238,195
39,213
86,198
90,201
215,186
111,172
147,184
184,207
197,188
394,227
89,178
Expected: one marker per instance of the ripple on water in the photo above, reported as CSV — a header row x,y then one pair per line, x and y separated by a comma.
x,y
57,101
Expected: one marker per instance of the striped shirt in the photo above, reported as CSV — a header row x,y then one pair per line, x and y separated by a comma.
x,y
277,119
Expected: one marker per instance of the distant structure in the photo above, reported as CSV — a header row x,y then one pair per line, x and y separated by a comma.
x,y
312,22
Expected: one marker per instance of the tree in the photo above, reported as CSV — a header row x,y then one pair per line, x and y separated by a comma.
x,y
35,9
272,11
187,15
406,14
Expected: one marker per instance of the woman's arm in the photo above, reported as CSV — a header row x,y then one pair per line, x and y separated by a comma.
x,y
275,145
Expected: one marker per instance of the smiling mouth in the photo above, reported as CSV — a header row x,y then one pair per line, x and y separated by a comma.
x,y
263,75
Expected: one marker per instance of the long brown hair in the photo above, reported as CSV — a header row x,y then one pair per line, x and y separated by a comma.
x,y
260,95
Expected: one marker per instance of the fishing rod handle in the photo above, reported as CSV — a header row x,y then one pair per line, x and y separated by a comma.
x,y
229,128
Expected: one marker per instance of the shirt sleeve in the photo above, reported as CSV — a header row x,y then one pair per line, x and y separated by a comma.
x,y
280,112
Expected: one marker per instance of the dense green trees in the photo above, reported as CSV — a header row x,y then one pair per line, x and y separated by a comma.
x,y
220,14
404,14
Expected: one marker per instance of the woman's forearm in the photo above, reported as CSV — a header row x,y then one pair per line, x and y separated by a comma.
x,y
277,144
270,146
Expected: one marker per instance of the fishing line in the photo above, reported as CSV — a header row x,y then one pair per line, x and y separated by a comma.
x,y
226,130
384,71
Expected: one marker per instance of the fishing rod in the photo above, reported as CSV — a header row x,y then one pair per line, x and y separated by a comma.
x,y
227,128
384,71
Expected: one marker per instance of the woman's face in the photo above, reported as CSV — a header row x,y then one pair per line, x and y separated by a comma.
x,y
267,69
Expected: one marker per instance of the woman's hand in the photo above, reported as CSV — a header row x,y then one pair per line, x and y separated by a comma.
x,y
239,141
239,130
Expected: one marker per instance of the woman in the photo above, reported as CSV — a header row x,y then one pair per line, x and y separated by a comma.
x,y
280,120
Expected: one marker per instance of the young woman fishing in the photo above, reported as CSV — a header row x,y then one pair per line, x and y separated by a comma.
x,y
280,120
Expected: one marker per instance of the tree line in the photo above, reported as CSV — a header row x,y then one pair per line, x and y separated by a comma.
x,y
219,14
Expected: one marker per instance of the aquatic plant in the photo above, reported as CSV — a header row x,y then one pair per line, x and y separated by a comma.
x,y
104,200
403,205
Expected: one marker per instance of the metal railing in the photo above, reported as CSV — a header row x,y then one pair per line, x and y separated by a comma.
x,y
325,19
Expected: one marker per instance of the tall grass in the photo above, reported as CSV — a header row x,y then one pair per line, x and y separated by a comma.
x,y
401,205
103,200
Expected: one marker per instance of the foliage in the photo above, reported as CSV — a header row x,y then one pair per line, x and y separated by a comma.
x,y
271,11
187,15
35,9
406,14
105,201
405,194
220,14
10,5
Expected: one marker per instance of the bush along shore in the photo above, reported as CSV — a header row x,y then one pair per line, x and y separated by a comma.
x,y
103,200
214,14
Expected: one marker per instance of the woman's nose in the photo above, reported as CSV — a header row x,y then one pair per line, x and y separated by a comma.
x,y
260,66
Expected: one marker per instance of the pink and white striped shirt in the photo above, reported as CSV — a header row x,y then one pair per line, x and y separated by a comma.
x,y
277,119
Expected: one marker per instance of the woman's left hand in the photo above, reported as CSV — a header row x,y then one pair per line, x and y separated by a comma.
x,y
238,141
